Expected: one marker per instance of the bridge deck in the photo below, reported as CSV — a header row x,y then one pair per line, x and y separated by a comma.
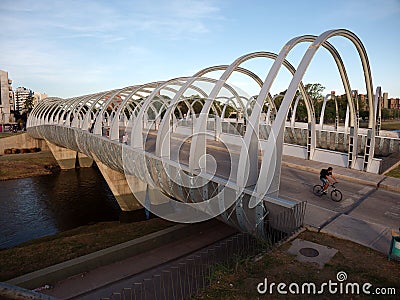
x,y
226,155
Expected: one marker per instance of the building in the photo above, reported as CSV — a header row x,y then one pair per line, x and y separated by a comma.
x,y
21,94
37,97
6,99
394,103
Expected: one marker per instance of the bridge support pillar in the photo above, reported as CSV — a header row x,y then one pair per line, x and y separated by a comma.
x,y
119,187
65,158
84,161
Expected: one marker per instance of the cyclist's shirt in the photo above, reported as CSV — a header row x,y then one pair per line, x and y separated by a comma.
x,y
324,173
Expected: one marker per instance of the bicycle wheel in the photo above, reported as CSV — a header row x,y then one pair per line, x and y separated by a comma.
x,y
336,195
317,189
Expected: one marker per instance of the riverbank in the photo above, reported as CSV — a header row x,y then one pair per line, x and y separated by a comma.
x,y
8,134
24,165
47,251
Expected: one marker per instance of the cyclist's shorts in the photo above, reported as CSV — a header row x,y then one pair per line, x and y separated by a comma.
x,y
324,180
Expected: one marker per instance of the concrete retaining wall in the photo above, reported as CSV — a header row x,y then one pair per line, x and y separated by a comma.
x,y
20,141
338,141
106,256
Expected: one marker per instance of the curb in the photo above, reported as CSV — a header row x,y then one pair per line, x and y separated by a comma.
x,y
105,256
338,175
390,184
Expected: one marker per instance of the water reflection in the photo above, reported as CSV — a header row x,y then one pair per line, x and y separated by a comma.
x,y
40,206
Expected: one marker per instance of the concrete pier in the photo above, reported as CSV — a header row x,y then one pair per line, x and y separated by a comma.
x,y
120,188
66,158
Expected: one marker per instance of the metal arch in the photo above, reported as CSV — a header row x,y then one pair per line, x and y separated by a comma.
x,y
90,115
90,118
79,104
321,118
163,86
137,127
197,147
239,69
198,143
292,119
34,120
228,100
128,100
45,111
252,101
378,109
50,113
245,71
40,109
98,121
366,68
110,100
375,129
248,155
271,185
163,149
48,110
199,101
34,116
271,110
67,113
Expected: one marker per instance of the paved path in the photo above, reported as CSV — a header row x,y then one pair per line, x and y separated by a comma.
x,y
370,208
104,280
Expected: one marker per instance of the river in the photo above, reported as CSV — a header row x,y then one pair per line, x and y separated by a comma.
x,y
40,206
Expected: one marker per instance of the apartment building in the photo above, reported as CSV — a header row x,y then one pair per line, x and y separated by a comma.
x,y
6,99
21,94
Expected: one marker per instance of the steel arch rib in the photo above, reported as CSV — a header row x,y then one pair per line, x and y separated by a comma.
x,y
195,147
162,149
271,185
248,155
163,131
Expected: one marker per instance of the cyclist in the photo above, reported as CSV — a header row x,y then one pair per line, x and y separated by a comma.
x,y
324,176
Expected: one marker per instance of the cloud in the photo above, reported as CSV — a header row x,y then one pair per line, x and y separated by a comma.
x,y
53,42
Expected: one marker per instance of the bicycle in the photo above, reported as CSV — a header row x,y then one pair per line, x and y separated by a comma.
x,y
336,195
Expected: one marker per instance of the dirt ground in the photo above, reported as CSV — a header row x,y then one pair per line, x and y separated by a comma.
x,y
23,165
362,265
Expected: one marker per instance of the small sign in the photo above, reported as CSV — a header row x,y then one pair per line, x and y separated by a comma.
x,y
394,251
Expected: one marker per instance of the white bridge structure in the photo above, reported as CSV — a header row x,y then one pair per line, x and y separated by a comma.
x,y
167,145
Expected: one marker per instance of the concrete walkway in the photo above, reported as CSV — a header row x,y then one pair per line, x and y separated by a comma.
x,y
376,180
348,225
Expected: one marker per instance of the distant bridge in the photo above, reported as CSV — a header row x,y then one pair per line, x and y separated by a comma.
x,y
167,145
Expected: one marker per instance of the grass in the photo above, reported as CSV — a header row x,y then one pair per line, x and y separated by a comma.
x,y
394,173
7,134
361,264
50,250
13,166
390,125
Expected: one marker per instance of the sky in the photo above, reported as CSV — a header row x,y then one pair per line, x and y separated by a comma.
x,y
72,48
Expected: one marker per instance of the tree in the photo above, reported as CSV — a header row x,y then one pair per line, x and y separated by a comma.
x,y
28,104
314,91
385,113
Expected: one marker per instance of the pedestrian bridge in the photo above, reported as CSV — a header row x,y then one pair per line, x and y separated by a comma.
x,y
197,147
